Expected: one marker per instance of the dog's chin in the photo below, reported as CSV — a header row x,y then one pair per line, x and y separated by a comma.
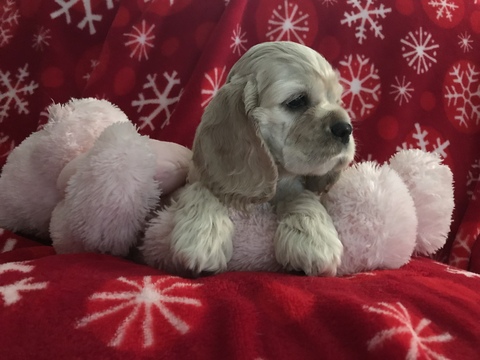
x,y
299,166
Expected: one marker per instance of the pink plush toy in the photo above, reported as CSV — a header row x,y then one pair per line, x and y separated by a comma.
x,y
383,214
90,182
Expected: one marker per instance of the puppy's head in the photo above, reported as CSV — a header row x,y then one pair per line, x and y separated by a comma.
x,y
279,112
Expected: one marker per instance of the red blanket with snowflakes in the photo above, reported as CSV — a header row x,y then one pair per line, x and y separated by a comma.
x,y
411,73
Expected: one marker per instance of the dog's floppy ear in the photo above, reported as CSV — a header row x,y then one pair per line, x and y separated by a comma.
x,y
229,154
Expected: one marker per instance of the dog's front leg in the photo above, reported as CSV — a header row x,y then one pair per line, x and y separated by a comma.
x,y
202,232
306,239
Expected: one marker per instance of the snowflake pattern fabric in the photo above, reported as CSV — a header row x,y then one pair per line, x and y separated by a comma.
x,y
14,90
89,20
159,98
361,83
420,50
366,13
9,19
143,300
288,22
13,292
411,329
118,309
411,77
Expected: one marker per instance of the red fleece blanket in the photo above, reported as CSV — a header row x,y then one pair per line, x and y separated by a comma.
x,y
411,74
93,306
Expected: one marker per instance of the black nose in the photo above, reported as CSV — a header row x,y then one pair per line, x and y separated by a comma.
x,y
342,130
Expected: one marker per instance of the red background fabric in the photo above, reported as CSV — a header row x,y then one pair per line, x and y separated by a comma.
x,y
411,75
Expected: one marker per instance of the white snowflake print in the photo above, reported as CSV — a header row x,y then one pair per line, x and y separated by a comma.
x,y
288,23
445,8
11,92
402,90
473,179
465,42
93,65
89,19
9,244
362,85
9,16
141,39
365,13
41,39
456,260
461,250
143,300
420,346
6,145
419,50
161,100
12,293
422,142
329,2
464,94
238,41
214,82
468,274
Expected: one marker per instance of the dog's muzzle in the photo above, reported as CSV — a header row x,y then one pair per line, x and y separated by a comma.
x,y
342,130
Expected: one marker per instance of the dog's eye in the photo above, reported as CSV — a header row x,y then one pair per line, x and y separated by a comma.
x,y
297,103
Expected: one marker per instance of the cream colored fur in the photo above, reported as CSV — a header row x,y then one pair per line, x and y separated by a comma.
x,y
267,136
202,232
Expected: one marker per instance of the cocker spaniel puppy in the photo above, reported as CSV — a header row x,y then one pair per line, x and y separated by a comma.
x,y
275,132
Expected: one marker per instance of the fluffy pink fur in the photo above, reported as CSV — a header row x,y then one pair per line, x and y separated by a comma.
x,y
103,178
109,195
88,179
375,218
375,209
426,179
28,185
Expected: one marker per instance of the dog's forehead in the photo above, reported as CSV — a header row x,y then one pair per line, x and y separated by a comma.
x,y
281,58
281,80
300,73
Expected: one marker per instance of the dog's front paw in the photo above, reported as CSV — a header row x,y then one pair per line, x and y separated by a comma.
x,y
307,244
203,249
202,233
